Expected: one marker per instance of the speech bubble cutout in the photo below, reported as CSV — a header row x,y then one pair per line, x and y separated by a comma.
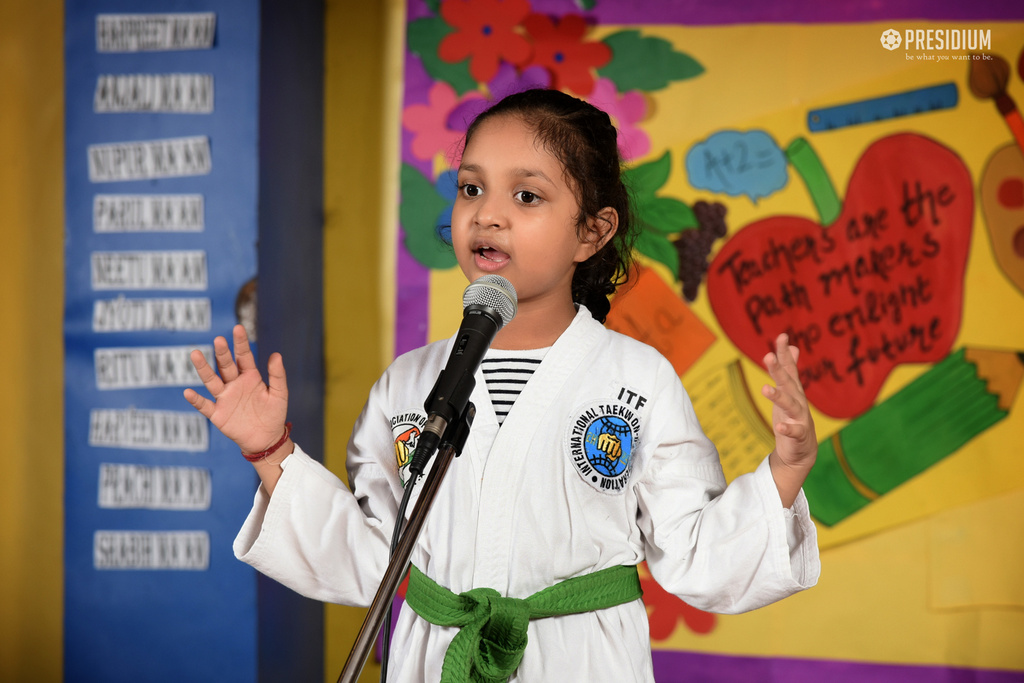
x,y
738,163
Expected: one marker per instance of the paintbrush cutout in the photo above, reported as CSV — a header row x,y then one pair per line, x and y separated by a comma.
x,y
987,79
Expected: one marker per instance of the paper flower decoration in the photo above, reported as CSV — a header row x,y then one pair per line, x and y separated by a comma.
x,y
561,49
626,111
428,123
447,187
506,82
485,32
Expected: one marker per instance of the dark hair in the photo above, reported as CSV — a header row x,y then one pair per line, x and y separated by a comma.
x,y
583,139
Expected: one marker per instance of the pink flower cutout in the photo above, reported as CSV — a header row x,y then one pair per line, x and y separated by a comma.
x,y
626,110
428,122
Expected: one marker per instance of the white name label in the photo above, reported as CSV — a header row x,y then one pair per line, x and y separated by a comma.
x,y
168,158
154,488
154,32
171,93
147,366
175,270
148,213
140,315
154,430
183,550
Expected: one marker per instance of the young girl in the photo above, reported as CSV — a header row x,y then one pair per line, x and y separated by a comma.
x,y
598,465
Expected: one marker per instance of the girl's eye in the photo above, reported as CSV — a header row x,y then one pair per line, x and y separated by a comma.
x,y
470,190
527,197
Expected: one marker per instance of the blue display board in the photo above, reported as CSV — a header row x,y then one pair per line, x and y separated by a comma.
x,y
162,174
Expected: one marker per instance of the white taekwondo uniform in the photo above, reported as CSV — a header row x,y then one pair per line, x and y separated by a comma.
x,y
542,499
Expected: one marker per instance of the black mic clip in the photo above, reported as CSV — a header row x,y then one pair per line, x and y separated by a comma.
x,y
439,433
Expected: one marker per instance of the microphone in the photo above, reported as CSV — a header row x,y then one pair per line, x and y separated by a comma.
x,y
489,303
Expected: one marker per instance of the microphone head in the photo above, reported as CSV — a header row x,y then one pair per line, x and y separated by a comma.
x,y
494,292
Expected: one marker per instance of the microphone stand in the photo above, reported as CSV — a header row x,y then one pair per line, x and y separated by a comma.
x,y
400,559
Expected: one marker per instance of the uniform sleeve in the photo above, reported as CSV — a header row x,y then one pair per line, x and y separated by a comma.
x,y
721,549
317,536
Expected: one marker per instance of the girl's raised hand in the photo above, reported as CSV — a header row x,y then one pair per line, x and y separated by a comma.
x,y
247,411
796,444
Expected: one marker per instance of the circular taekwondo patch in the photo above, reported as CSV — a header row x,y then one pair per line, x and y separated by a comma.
x,y
406,428
602,438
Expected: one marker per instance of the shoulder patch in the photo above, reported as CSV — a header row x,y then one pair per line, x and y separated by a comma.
x,y
406,428
602,437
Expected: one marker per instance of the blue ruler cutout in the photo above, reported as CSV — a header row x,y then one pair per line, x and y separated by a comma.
x,y
920,101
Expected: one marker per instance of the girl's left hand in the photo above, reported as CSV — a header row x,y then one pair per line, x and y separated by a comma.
x,y
796,444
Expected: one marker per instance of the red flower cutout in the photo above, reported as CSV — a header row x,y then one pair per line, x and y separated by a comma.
x,y
665,610
562,51
485,32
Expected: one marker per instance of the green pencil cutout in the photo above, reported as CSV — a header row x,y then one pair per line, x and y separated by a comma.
x,y
929,419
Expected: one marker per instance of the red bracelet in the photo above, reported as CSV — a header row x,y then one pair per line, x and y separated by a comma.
x,y
256,457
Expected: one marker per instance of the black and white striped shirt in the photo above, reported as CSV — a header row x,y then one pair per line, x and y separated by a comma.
x,y
506,373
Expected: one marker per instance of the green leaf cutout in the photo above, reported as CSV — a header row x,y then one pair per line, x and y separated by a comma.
x,y
646,179
420,207
425,36
658,217
660,249
646,63
666,215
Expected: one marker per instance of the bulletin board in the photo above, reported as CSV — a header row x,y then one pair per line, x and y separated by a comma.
x,y
152,120
849,173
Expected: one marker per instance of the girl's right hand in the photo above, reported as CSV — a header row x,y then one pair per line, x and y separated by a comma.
x,y
243,408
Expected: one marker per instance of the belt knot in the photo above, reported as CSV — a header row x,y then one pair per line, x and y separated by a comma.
x,y
493,629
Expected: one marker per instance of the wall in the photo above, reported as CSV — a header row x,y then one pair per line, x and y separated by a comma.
x,y
751,131
31,192
362,90
31,140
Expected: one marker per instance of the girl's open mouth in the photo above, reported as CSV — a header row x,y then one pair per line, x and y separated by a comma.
x,y
491,254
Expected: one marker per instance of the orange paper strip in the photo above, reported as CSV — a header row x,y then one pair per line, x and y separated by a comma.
x,y
651,312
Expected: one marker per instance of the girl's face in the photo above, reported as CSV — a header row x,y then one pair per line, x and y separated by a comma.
x,y
515,215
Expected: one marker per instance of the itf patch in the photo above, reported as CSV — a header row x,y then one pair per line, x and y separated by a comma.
x,y
602,438
406,428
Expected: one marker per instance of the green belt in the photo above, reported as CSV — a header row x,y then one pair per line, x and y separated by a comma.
x,y
490,644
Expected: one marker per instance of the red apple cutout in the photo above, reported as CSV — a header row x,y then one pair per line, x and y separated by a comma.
x,y
882,285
